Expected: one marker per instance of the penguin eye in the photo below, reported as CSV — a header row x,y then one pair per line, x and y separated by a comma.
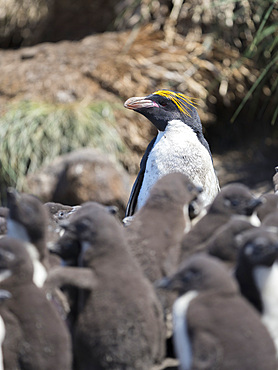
x,y
163,103
191,274
249,249
61,214
231,202
235,202
254,249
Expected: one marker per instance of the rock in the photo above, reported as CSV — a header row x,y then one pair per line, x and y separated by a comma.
x,y
82,175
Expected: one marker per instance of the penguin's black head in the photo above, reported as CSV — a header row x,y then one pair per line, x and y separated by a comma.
x,y
199,273
164,106
258,247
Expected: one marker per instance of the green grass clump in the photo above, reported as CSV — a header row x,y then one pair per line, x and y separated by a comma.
x,y
263,50
33,134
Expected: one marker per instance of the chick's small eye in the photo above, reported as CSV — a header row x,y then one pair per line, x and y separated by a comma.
x,y
235,202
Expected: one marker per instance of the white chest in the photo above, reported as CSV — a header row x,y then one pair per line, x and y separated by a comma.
x,y
40,273
178,149
267,282
181,339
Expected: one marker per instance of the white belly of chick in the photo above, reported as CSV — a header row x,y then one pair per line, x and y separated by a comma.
x,y
266,279
178,149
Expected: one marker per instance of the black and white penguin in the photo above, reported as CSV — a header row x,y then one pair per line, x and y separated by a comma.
x,y
178,147
233,200
120,321
257,274
27,221
36,337
214,327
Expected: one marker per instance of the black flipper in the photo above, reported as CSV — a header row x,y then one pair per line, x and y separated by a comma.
x,y
132,202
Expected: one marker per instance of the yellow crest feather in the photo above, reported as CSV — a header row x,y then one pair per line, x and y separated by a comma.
x,y
182,101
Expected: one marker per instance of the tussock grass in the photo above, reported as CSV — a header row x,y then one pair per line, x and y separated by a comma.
x,y
33,134
263,49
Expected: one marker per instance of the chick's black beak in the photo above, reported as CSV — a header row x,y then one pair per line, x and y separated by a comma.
x,y
164,283
4,294
253,204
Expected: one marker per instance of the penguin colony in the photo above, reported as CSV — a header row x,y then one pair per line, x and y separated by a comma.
x,y
190,274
